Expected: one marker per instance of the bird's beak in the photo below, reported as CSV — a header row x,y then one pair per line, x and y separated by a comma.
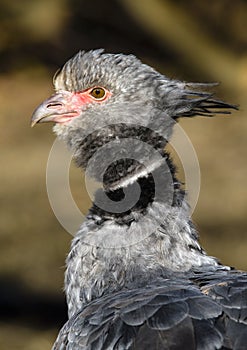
x,y
55,109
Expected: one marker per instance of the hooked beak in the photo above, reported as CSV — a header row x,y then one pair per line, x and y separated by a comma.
x,y
55,109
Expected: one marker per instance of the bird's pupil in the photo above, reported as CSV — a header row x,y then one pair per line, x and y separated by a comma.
x,y
98,92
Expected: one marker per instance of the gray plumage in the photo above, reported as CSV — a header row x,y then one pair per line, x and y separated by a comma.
x,y
137,278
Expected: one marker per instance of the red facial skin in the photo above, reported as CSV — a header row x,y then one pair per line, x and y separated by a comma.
x,y
64,106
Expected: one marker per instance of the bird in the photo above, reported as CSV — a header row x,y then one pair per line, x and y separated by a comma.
x,y
136,275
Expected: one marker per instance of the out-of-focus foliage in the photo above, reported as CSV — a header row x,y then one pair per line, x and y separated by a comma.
x,y
186,39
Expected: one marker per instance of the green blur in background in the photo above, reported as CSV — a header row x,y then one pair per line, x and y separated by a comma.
x,y
192,40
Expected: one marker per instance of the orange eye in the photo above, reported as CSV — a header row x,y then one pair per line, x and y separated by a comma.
x,y
98,93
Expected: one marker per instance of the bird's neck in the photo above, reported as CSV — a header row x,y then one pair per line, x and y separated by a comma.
x,y
132,166
124,198
139,224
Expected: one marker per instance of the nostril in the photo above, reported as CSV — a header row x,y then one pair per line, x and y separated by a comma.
x,y
54,105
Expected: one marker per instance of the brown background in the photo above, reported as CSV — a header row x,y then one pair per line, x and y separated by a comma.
x,y
189,40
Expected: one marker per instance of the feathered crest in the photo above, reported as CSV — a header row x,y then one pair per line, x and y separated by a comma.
x,y
193,101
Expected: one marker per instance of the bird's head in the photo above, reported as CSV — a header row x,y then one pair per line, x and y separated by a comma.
x,y
95,89
101,97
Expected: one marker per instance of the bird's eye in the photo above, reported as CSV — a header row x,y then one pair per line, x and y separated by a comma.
x,y
98,93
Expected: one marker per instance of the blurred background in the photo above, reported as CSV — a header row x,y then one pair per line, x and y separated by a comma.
x,y
191,40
